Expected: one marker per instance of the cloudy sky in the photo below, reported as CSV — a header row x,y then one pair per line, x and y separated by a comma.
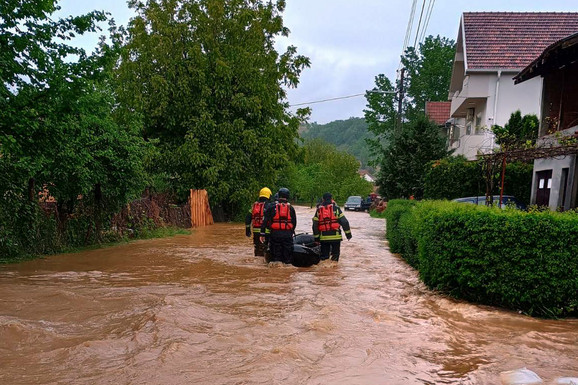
x,y
349,42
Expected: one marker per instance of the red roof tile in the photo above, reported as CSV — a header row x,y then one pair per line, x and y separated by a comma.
x,y
511,40
439,112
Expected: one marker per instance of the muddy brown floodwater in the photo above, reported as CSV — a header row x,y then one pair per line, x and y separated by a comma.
x,y
200,309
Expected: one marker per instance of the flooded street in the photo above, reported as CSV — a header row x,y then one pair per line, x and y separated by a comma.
x,y
201,309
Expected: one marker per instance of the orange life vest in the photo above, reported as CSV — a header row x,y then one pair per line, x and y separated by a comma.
x,y
327,219
282,218
257,214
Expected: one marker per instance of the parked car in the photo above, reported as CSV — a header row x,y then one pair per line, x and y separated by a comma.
x,y
366,204
354,203
507,200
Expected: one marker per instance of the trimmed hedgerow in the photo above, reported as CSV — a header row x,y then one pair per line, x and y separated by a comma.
x,y
395,209
519,260
457,177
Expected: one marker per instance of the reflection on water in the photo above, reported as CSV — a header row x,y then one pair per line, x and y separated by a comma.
x,y
201,309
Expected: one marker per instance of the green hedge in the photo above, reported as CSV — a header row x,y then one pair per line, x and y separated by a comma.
x,y
519,260
456,177
395,209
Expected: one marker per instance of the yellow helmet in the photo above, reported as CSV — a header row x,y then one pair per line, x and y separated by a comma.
x,y
265,192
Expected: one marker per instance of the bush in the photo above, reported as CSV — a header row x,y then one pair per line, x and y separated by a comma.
x,y
456,177
523,261
395,210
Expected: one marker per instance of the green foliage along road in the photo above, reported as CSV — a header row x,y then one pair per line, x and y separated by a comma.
x,y
406,142
504,257
210,88
59,131
322,168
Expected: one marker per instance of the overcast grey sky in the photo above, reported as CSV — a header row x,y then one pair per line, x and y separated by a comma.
x,y
349,42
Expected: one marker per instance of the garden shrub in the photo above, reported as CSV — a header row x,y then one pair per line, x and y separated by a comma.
x,y
453,177
519,260
395,209
456,177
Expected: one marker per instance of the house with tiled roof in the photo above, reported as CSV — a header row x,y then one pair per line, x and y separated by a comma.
x,y
491,48
555,179
439,113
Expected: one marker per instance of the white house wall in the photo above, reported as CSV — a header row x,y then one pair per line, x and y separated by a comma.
x,y
525,97
479,91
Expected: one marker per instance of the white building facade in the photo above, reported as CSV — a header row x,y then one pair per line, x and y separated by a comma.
x,y
491,48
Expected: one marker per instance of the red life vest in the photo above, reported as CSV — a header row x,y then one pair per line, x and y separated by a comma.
x,y
257,214
327,219
282,218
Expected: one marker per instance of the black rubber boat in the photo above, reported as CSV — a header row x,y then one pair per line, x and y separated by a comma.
x,y
305,252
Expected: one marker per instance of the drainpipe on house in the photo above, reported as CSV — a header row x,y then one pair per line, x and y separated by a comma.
x,y
496,106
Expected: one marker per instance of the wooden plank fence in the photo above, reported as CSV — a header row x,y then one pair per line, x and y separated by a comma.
x,y
200,210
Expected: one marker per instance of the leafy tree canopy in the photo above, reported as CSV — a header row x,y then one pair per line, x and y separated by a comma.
x,y
406,159
428,73
58,127
211,90
428,70
518,132
322,168
405,143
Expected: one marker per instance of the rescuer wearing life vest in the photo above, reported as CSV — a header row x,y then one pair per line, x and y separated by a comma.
x,y
326,227
278,228
254,219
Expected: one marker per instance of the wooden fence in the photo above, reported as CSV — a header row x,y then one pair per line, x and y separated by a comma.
x,y
200,210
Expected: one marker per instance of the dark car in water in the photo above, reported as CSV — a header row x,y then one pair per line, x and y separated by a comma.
x,y
357,203
354,203
366,204
507,201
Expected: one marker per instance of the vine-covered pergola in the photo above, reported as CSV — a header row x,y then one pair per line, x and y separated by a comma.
x,y
521,155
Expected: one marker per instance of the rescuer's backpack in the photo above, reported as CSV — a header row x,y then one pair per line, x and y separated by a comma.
x,y
282,218
257,214
327,220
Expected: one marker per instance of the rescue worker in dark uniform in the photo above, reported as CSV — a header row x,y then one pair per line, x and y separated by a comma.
x,y
254,219
327,223
278,227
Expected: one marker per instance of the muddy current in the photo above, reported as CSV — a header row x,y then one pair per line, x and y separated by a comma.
x,y
201,309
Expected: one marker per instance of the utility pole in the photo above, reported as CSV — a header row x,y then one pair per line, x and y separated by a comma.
x,y
400,100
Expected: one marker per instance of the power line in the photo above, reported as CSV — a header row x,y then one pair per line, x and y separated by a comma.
x,y
409,26
341,97
419,24
427,19
327,100
408,32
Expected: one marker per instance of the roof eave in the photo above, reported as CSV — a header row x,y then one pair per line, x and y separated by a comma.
x,y
493,69
462,25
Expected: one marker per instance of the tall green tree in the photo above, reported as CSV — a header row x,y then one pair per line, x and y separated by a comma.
x,y
407,158
210,87
58,128
428,71
427,75
34,59
381,116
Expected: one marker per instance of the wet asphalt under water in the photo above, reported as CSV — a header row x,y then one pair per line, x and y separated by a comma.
x,y
201,309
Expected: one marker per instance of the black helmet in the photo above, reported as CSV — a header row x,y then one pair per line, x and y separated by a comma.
x,y
283,193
